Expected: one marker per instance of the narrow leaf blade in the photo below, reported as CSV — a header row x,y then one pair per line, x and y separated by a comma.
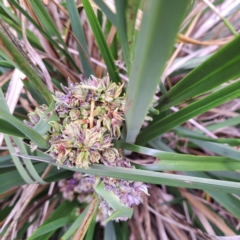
x,y
101,42
148,64
219,68
28,132
78,32
153,177
161,125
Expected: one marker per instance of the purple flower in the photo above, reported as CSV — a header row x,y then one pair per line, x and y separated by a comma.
x,y
90,115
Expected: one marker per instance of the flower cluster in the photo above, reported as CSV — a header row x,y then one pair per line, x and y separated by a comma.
x,y
79,186
89,116
128,192
82,187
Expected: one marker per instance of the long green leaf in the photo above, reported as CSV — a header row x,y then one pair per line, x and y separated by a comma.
x,y
122,29
8,128
5,64
219,68
121,231
6,161
22,171
63,211
75,225
10,177
226,175
101,42
28,132
153,177
226,123
109,231
5,11
8,59
107,11
225,199
121,213
46,21
205,143
84,221
159,126
165,178
52,226
31,169
194,135
131,16
187,165
79,34
34,92
230,202
181,162
21,149
159,28
43,124
220,149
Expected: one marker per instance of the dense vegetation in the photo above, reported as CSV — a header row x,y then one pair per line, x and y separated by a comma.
x,y
119,119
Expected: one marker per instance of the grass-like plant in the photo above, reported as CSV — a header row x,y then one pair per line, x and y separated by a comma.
x,y
106,120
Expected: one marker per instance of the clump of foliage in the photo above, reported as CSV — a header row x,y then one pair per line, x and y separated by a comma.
x,y
87,155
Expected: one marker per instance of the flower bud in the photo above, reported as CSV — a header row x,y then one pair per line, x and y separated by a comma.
x,y
84,113
74,114
33,117
95,157
97,111
79,92
56,127
107,122
62,98
62,110
41,110
82,160
110,92
119,91
110,155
